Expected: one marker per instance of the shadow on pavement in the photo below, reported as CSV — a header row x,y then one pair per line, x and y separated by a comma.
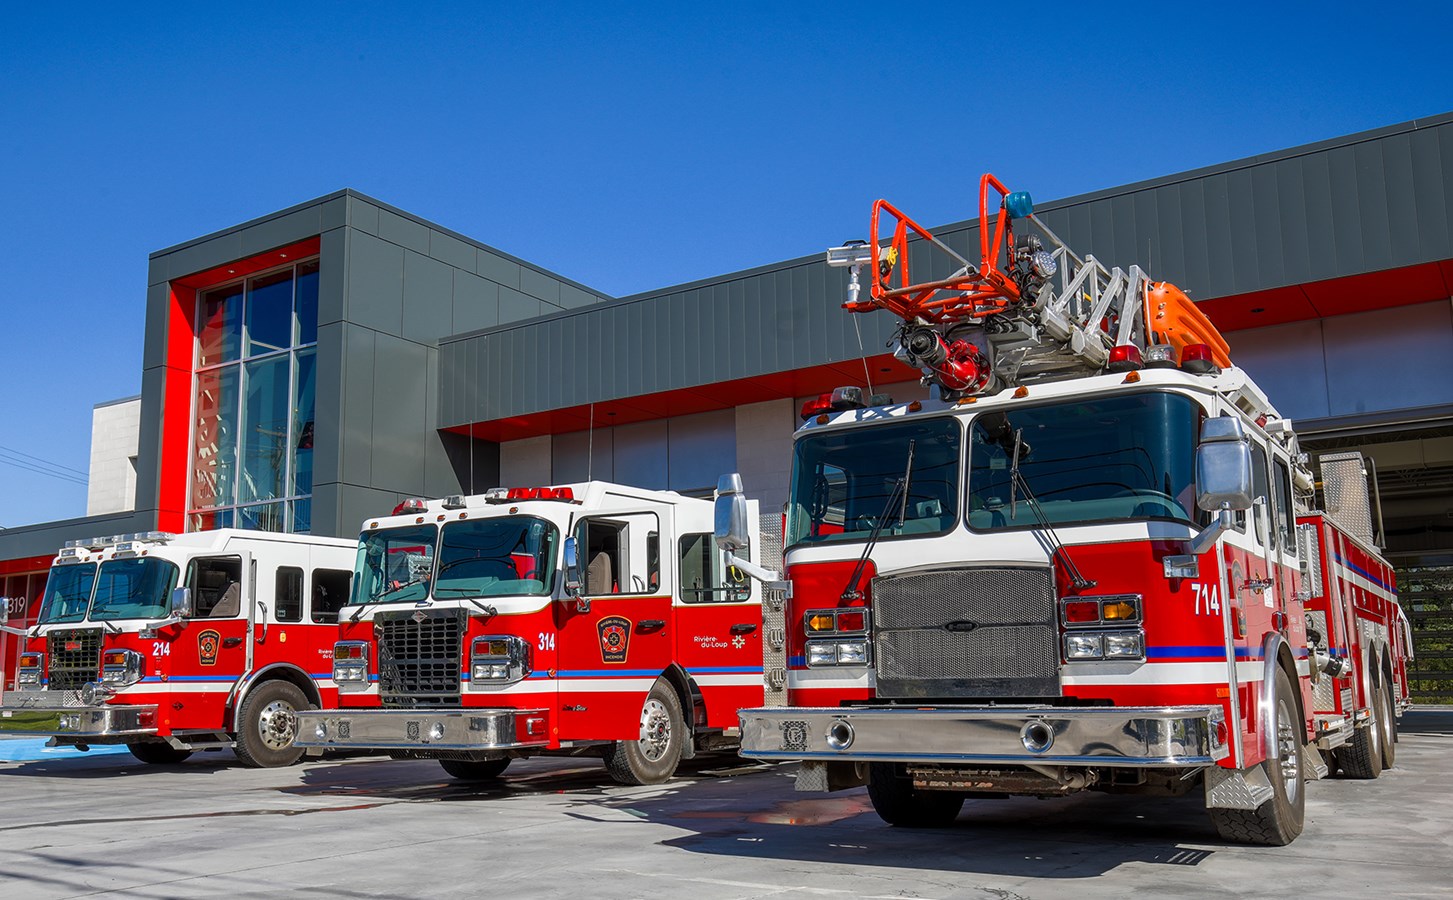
x,y
1427,720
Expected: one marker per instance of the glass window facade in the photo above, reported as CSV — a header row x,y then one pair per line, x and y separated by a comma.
x,y
252,426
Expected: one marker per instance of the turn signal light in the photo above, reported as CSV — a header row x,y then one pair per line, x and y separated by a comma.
x,y
819,622
1119,611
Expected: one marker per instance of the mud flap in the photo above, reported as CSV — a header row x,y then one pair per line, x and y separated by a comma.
x,y
1233,789
1312,762
814,775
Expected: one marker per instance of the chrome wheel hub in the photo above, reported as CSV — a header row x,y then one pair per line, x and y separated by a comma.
x,y
277,724
655,729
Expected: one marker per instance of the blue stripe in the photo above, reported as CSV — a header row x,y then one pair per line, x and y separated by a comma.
x,y
797,662
1215,650
1363,572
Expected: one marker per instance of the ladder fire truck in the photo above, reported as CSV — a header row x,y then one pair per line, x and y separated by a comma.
x,y
174,643
1090,562
580,619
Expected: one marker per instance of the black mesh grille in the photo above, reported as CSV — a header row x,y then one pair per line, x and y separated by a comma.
x,y
976,632
418,657
75,658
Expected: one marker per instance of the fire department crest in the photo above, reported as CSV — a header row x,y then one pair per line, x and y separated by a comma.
x,y
615,638
208,642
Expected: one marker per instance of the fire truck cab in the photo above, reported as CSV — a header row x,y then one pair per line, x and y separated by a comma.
x,y
1086,564
582,619
174,643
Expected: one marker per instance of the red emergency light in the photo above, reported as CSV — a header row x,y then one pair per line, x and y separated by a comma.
x,y
1124,358
540,493
1198,360
413,504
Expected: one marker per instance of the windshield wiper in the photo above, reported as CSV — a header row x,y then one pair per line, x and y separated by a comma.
x,y
1056,546
897,497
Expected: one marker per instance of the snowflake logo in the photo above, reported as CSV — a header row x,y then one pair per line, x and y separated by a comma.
x,y
739,642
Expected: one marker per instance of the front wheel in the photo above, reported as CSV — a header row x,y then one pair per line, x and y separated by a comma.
x,y
1278,821
267,724
898,802
472,770
1362,757
156,753
652,758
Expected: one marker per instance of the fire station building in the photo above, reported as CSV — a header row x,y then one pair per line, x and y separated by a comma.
x,y
313,366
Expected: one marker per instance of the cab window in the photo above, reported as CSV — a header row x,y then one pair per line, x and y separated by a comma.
x,y
288,594
216,585
615,554
702,578
330,593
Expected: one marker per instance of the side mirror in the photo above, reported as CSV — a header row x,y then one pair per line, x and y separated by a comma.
x,y
730,528
182,602
572,567
4,610
1223,466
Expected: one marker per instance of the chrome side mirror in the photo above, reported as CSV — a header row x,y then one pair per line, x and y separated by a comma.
x,y
572,567
730,526
1223,466
182,603
4,610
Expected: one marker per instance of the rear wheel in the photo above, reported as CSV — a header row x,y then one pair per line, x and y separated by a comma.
x,y
898,802
472,770
267,724
653,757
1389,734
155,753
1362,757
1278,821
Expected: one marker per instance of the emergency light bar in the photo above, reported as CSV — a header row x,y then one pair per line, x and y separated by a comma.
x,y
516,494
96,543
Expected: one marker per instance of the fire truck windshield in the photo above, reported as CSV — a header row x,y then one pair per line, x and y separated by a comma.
x,y
133,589
67,593
394,565
1087,460
497,557
842,482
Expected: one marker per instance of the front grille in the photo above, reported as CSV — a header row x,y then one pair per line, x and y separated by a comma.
x,y
966,632
418,657
74,656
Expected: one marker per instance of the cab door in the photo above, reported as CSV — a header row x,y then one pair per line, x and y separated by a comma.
x,y
719,629
615,638
213,649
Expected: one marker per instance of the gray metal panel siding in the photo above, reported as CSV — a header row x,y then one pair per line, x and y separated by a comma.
x,y
328,403
333,276
148,443
375,283
356,429
428,311
158,305
400,400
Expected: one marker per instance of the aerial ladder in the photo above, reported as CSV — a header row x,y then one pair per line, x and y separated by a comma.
x,y
1030,309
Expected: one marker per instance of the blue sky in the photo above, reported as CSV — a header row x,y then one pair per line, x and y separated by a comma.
x,y
627,147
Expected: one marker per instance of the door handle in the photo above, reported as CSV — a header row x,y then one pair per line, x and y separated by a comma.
x,y
650,624
231,642
744,628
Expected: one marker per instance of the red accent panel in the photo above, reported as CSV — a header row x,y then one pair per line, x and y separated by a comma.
x,y
265,260
26,566
1332,297
181,333
686,401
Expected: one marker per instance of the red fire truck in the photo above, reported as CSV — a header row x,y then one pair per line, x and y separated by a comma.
x,y
583,619
1090,562
174,643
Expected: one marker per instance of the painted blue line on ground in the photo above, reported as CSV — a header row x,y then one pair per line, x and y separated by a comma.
x,y
32,749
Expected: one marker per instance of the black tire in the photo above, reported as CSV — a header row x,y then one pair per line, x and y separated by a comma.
x,y
1389,724
899,803
267,724
155,753
1362,756
1278,821
475,770
653,757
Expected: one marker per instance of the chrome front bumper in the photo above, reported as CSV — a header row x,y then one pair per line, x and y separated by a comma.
x,y
423,729
80,724
1186,736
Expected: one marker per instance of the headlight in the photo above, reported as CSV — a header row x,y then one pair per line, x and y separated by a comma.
x,y
822,654
852,653
121,667
1124,645
1084,646
498,659
28,670
350,662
